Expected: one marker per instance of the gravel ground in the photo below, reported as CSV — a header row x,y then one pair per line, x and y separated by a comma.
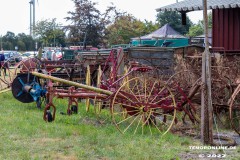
x,y
202,154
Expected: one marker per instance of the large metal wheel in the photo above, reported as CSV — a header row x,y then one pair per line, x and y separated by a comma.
x,y
7,75
28,65
21,86
18,87
143,105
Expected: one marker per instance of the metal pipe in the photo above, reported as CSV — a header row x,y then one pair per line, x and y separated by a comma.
x,y
33,27
30,17
71,83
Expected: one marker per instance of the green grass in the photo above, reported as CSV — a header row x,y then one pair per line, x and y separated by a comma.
x,y
24,135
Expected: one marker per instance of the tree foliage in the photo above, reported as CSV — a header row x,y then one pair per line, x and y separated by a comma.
x,y
49,32
126,27
22,41
210,19
88,24
174,19
25,42
198,29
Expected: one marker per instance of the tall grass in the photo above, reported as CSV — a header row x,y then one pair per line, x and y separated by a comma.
x,y
24,135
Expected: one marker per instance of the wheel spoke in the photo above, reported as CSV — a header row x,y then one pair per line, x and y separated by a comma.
x,y
119,113
134,94
131,123
158,94
139,93
141,98
20,93
127,118
150,93
162,99
155,125
138,124
126,97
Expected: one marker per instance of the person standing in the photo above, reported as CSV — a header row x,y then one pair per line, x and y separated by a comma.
x,y
40,53
54,57
2,58
49,54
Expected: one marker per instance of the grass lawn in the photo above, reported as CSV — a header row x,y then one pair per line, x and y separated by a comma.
x,y
24,135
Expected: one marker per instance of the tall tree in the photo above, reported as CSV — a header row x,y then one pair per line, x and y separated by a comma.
x,y
49,32
25,42
174,19
88,24
126,27
9,41
22,41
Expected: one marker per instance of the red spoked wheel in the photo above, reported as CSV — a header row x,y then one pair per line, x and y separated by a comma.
x,y
143,105
28,65
7,75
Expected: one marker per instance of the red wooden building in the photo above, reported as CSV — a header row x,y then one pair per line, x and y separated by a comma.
x,y
226,20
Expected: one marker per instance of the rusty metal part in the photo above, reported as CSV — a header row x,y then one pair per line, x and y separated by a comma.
x,y
225,74
7,75
234,109
183,66
142,102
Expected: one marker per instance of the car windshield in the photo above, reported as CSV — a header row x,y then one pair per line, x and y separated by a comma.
x,y
17,54
26,54
31,53
7,55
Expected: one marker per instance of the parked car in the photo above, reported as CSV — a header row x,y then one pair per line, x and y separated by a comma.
x,y
12,56
29,54
17,56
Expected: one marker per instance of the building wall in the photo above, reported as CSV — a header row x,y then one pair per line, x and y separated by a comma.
x,y
226,29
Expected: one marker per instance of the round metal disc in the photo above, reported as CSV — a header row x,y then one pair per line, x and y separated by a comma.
x,y
17,88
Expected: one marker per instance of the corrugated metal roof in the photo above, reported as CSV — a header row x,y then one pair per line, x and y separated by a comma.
x,y
193,5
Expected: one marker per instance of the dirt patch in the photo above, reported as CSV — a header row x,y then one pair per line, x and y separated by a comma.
x,y
210,154
94,122
189,156
43,141
60,156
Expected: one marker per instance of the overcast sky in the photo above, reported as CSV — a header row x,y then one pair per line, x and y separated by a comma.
x,y
15,14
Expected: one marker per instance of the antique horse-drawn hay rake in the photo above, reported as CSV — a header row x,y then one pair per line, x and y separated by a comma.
x,y
146,89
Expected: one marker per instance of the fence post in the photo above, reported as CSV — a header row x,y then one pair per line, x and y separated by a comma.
x,y
206,98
